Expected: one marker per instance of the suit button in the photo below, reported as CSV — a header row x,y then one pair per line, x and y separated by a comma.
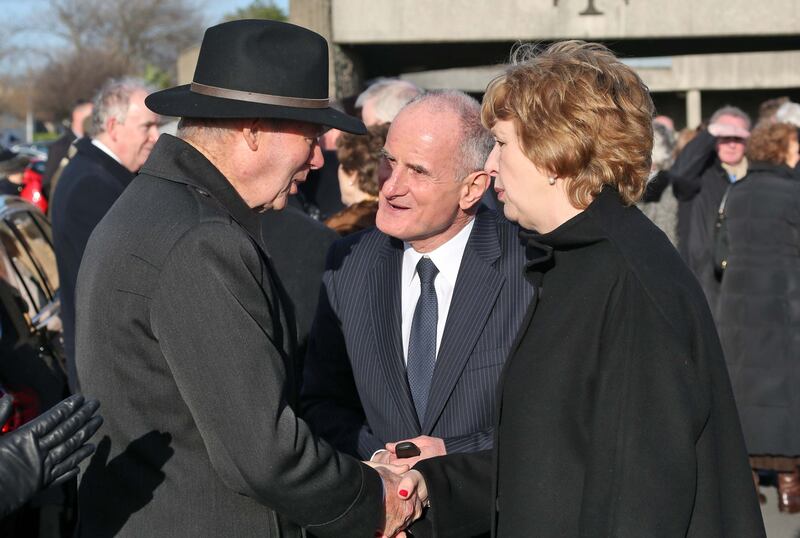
x,y
497,504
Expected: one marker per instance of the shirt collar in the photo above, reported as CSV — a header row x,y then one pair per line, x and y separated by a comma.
x,y
446,257
105,149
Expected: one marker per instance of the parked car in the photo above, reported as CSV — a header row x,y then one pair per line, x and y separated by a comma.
x,y
32,367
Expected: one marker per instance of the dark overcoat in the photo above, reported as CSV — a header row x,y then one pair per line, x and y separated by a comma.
x,y
759,307
616,415
184,338
88,187
699,183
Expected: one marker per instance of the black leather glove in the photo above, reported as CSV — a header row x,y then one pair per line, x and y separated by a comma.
x,y
46,451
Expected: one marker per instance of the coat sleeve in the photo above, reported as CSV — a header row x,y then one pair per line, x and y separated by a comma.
x,y
330,400
473,442
687,171
460,493
216,327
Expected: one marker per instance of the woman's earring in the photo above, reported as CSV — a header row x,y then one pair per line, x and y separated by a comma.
x,y
552,181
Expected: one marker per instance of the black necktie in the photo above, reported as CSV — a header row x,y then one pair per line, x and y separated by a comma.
x,y
422,343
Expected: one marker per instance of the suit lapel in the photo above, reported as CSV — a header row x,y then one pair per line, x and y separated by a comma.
x,y
477,286
385,301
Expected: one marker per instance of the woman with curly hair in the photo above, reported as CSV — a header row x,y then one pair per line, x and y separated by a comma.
x,y
359,169
615,412
759,307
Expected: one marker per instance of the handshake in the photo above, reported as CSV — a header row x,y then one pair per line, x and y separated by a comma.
x,y
405,493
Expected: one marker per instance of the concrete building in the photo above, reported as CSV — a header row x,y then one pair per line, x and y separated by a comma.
x,y
695,55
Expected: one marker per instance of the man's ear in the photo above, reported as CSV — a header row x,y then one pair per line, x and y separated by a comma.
x,y
252,131
472,189
111,128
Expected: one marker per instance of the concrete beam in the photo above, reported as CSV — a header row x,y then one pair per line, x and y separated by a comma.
x,y
426,21
736,71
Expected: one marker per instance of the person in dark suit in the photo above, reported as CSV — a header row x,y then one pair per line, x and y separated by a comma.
x,y
296,245
59,149
185,332
616,416
366,381
125,131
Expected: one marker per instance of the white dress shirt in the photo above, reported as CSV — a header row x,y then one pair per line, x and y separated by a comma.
x,y
447,259
105,149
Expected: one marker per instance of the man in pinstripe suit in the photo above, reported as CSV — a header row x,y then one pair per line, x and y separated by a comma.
x,y
359,392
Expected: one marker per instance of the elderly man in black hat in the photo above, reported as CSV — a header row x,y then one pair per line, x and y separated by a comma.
x,y
185,333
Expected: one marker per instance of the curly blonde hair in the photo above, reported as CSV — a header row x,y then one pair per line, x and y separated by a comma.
x,y
580,114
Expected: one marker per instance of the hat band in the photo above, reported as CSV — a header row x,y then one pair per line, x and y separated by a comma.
x,y
263,98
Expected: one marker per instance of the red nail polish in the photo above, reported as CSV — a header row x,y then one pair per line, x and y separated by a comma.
x,y
403,493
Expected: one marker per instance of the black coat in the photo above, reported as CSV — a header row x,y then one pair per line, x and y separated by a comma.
x,y
297,246
699,183
184,337
616,415
88,187
759,307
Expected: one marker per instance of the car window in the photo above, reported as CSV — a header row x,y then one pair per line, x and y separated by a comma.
x,y
35,232
21,272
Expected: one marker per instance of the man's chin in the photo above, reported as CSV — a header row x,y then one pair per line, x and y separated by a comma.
x,y
390,224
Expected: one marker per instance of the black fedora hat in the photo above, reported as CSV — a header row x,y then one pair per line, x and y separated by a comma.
x,y
258,69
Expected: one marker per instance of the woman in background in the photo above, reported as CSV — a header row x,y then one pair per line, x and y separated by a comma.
x,y
759,309
616,416
359,166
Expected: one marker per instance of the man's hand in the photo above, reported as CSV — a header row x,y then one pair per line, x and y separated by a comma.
x,y
428,448
401,507
724,129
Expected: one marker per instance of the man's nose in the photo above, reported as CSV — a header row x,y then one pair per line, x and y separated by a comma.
x,y
317,159
396,183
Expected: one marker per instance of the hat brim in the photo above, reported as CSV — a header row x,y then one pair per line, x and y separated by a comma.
x,y
182,102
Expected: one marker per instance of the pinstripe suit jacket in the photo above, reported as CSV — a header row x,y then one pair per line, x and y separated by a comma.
x,y
355,391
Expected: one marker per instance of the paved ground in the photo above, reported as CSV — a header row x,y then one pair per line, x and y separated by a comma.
x,y
778,525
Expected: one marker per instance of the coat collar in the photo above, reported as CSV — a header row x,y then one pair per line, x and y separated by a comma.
x,y
176,160
121,175
761,167
587,227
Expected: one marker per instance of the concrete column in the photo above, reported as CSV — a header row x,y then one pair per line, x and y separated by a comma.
x,y
349,72
694,109
316,15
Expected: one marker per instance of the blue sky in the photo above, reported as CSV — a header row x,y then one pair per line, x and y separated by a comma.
x,y
215,9
19,12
